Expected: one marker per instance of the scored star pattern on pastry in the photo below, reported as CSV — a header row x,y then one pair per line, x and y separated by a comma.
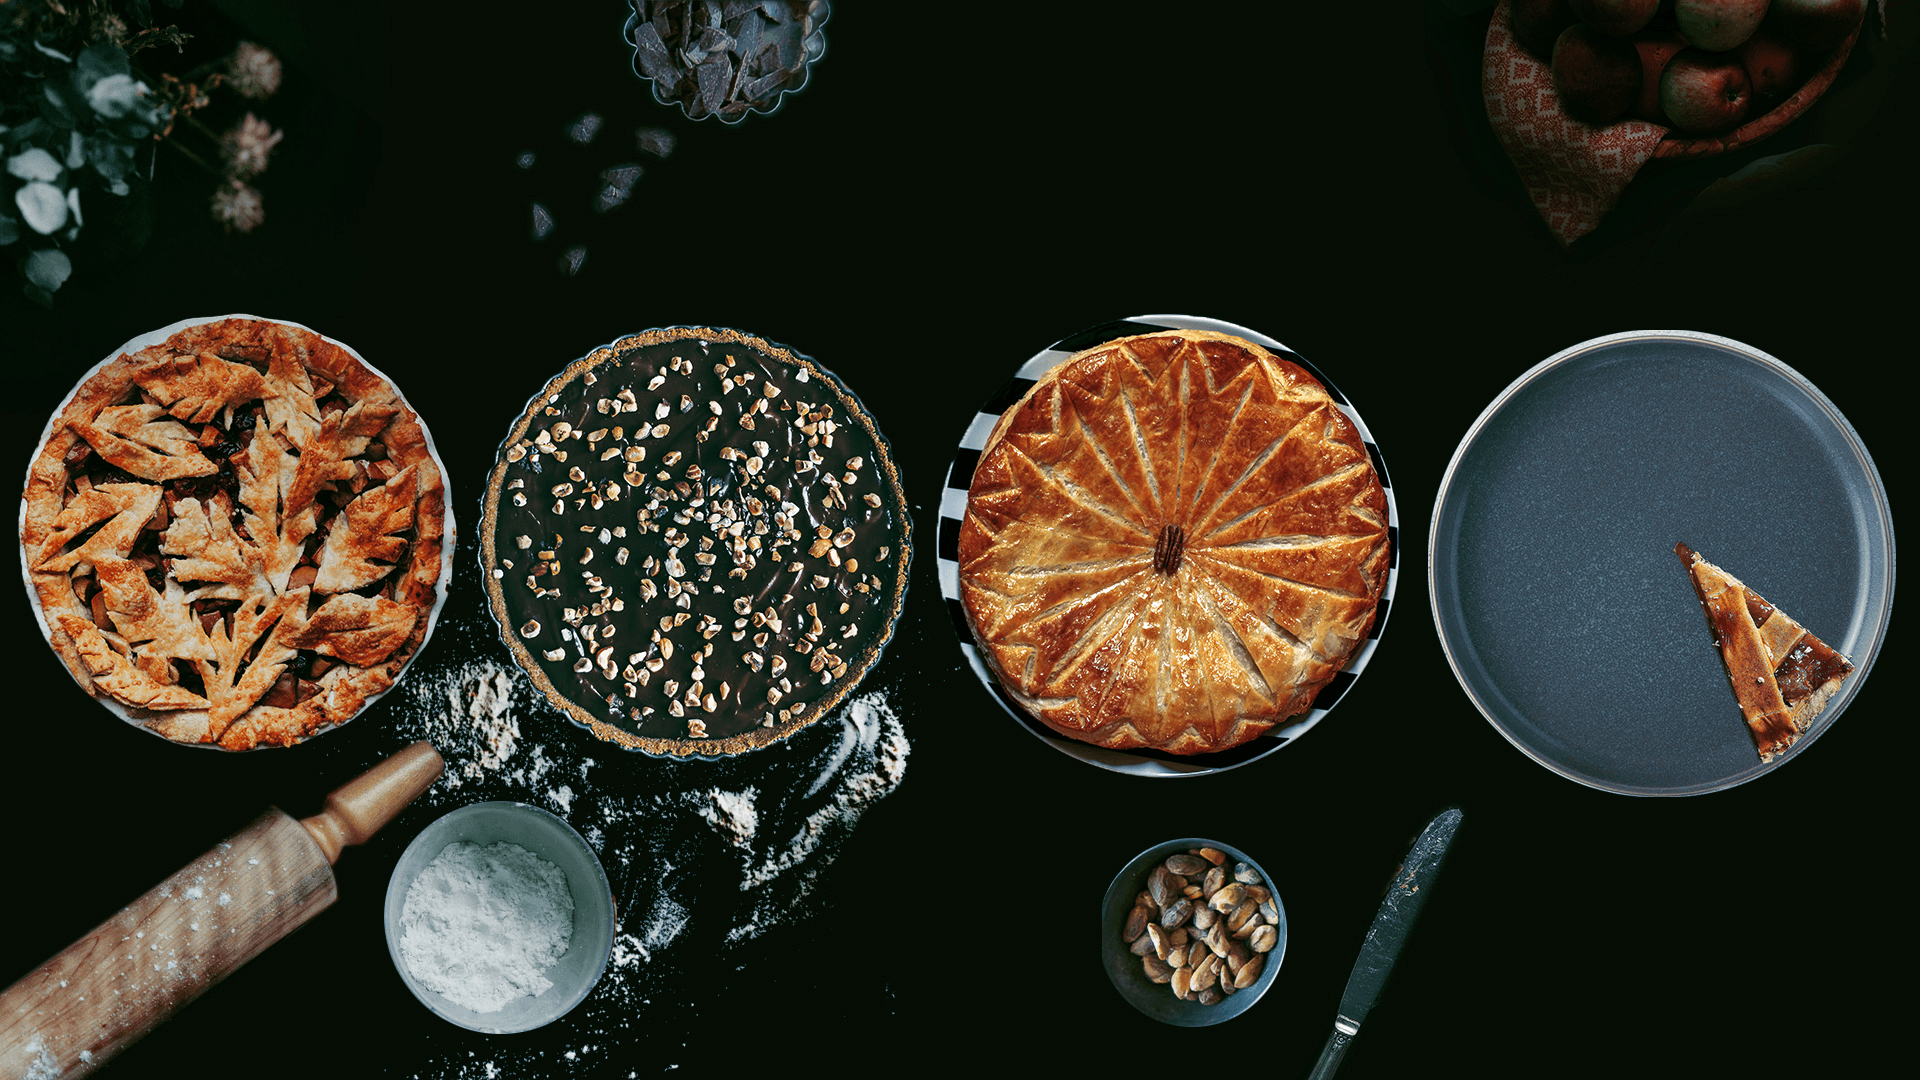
x,y
1173,541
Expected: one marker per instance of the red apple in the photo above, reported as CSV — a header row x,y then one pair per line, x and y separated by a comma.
x,y
1718,25
1816,25
1705,92
1537,23
1656,48
1618,17
1772,66
1597,74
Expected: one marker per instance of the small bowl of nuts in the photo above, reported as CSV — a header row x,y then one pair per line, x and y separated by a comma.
x,y
1192,932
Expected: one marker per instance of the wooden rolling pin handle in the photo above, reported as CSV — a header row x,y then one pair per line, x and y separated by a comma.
x,y
359,808
69,1015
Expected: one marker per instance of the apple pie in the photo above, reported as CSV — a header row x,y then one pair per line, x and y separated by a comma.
x,y
1174,541
1782,675
235,535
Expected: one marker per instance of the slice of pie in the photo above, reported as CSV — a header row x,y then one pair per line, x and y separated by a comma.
x,y
235,536
1782,675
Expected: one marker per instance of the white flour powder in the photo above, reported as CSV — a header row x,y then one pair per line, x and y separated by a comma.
x,y
704,861
481,924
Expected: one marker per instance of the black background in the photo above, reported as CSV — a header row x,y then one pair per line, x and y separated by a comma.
x,y
959,186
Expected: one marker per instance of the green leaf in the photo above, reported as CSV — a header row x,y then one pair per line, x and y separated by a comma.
x,y
42,206
114,96
34,163
112,158
142,11
28,131
9,230
48,268
53,105
100,60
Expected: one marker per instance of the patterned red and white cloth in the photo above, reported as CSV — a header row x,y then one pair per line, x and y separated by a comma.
x,y
1575,172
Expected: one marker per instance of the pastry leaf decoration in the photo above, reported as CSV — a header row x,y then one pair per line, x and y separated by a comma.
x,y
363,533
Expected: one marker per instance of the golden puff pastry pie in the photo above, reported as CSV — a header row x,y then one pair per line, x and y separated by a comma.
x,y
1174,541
237,535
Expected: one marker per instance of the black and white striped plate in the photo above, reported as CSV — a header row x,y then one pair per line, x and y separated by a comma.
x,y
953,508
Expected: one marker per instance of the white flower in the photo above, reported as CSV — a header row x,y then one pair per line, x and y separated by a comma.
x,y
34,164
113,97
238,206
247,146
73,205
42,205
254,72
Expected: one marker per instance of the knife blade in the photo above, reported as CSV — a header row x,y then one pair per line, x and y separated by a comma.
x,y
1408,891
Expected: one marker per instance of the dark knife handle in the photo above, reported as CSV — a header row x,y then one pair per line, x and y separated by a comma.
x,y
1336,1049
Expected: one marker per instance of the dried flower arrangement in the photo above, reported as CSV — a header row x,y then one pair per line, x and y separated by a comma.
x,y
80,120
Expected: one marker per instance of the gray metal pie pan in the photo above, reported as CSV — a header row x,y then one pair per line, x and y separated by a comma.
x,y
1565,614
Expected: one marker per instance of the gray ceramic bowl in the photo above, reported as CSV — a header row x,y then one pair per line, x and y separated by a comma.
x,y
1130,977
552,839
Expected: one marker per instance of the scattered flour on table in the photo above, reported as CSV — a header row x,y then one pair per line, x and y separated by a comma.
x,y
468,712
731,814
866,765
482,924
698,866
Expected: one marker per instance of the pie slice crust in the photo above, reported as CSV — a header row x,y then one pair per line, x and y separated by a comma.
x,y
1782,675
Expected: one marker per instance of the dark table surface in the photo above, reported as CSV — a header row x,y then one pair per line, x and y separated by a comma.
x,y
957,188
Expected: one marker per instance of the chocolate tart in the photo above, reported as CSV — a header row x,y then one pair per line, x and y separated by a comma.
x,y
695,542
235,533
1173,542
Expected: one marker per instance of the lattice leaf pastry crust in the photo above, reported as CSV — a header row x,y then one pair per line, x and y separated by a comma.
x,y
237,534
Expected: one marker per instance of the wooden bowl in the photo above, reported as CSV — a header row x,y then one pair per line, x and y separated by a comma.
x,y
1678,147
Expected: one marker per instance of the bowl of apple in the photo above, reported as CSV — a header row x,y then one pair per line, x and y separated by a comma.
x,y
1720,74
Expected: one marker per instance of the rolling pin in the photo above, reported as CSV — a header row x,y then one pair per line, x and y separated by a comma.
x,y
68,1016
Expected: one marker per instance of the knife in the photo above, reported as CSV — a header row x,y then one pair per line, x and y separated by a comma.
x,y
1408,891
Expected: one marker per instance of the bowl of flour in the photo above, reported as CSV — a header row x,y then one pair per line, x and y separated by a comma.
x,y
499,917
